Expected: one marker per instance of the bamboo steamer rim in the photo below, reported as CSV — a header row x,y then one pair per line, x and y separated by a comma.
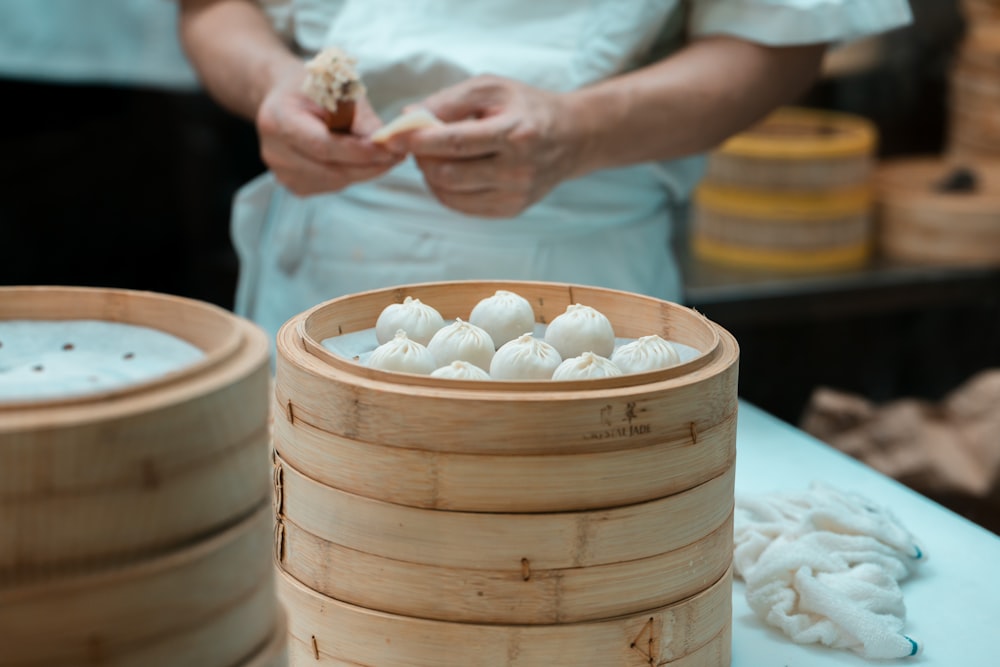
x,y
560,482
716,653
910,182
785,206
71,609
175,558
233,347
549,540
798,133
274,653
476,595
368,629
300,340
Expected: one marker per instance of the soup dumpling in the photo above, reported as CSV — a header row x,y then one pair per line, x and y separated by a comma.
x,y
525,358
586,367
416,318
402,355
648,353
581,329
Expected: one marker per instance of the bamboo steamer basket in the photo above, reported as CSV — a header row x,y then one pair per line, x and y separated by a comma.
x,y
211,604
316,387
792,193
275,652
505,568
453,480
974,130
326,631
83,478
467,505
920,223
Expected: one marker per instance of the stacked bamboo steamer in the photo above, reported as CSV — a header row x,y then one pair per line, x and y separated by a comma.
x,y
945,209
135,523
975,85
939,211
792,193
424,521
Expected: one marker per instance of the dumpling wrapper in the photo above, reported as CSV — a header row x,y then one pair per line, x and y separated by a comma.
x,y
417,119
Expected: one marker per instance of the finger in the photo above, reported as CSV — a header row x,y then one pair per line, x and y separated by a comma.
x,y
462,139
308,136
473,98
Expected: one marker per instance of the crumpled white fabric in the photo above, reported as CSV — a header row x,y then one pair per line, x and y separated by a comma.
x,y
824,566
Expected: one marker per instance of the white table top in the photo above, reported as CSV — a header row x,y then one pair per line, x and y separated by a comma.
x,y
953,602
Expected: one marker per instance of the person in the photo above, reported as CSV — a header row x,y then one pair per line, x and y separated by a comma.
x,y
572,132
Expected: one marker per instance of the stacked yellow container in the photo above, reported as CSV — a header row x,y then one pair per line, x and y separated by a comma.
x,y
793,193
432,522
135,522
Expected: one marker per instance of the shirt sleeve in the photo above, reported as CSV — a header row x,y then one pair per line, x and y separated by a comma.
x,y
790,22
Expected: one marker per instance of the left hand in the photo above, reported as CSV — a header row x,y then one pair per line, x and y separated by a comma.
x,y
503,147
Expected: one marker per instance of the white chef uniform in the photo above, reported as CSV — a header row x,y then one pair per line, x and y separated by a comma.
x,y
611,228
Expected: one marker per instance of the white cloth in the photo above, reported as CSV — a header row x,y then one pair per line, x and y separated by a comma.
x,y
123,42
611,228
824,566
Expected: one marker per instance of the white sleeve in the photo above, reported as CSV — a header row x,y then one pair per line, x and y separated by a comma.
x,y
788,22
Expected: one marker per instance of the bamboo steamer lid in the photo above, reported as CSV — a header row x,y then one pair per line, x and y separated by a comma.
x,y
792,193
325,631
919,222
211,604
84,476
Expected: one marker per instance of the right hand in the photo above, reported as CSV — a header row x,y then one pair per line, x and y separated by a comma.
x,y
304,155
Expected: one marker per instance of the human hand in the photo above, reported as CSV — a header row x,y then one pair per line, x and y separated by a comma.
x,y
303,154
503,147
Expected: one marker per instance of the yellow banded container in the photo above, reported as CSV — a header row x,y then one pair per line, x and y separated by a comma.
x,y
793,193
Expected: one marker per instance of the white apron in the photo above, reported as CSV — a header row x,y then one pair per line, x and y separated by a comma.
x,y
611,228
